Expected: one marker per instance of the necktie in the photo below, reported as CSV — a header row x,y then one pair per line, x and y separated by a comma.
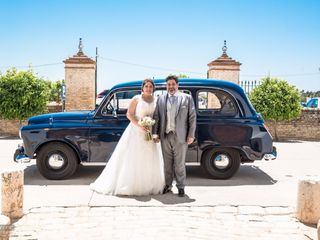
x,y
171,99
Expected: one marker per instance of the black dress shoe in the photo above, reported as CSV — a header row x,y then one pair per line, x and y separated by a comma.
x,y
181,192
166,189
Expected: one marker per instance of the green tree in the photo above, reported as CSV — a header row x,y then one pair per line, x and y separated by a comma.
x,y
22,94
55,90
310,94
276,100
181,75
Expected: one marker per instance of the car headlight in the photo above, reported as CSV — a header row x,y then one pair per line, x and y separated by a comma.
x,y
20,133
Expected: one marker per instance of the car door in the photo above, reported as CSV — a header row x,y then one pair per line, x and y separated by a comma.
x,y
219,122
108,125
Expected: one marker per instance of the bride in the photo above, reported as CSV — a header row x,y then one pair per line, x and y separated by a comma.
x,y
136,165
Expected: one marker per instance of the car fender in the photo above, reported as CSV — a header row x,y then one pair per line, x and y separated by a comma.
x,y
74,148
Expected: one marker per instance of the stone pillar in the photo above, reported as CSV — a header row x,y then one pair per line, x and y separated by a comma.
x,y
308,205
80,82
224,68
12,193
4,227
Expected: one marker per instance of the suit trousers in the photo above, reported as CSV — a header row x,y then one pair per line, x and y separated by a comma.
x,y
174,155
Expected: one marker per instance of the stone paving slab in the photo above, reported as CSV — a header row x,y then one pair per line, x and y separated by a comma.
x,y
166,222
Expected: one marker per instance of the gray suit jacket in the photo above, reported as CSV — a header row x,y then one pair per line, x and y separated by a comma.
x,y
185,117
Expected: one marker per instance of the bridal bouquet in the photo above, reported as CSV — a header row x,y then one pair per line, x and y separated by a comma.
x,y
147,122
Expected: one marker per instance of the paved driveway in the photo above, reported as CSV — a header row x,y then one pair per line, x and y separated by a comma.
x,y
257,203
264,183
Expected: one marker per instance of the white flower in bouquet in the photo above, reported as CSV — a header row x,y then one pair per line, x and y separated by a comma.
x,y
147,122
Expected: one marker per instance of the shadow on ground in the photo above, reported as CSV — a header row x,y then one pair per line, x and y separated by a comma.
x,y
288,141
167,199
247,175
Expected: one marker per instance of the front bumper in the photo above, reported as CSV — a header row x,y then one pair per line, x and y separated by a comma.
x,y
19,155
272,155
253,155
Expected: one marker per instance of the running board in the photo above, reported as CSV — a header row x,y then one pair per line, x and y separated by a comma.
x,y
93,163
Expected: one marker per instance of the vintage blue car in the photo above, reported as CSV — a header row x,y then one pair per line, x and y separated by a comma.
x,y
229,131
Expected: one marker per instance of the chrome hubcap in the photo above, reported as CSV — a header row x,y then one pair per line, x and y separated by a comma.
x,y
221,161
56,161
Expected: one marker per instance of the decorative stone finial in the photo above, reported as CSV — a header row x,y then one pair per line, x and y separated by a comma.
x,y
224,67
224,48
80,47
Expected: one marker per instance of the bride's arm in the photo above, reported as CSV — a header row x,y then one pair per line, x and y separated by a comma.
x,y
131,112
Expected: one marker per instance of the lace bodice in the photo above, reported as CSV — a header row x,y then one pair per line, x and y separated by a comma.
x,y
144,108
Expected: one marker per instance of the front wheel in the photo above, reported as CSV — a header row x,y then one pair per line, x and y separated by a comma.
x,y
221,163
57,161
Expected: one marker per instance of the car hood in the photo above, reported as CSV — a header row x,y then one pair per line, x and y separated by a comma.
x,y
52,117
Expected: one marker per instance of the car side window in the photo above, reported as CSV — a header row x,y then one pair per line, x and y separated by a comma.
x,y
215,102
119,102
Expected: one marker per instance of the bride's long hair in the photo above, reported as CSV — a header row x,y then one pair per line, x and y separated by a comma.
x,y
148,80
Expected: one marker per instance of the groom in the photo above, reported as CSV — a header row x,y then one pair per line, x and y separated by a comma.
x,y
175,127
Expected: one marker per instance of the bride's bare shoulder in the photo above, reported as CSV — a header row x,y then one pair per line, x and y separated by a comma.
x,y
134,100
136,97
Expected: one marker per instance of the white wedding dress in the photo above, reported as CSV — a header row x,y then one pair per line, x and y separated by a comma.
x,y
136,165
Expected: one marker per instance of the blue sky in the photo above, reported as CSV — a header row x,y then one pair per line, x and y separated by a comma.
x,y
280,38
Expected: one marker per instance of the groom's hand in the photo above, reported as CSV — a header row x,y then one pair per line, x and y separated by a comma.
x,y
190,140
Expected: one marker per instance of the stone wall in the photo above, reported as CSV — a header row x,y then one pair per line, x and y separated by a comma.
x,y
306,127
11,127
54,108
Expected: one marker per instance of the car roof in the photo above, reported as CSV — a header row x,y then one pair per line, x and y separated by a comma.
x,y
187,82
105,91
